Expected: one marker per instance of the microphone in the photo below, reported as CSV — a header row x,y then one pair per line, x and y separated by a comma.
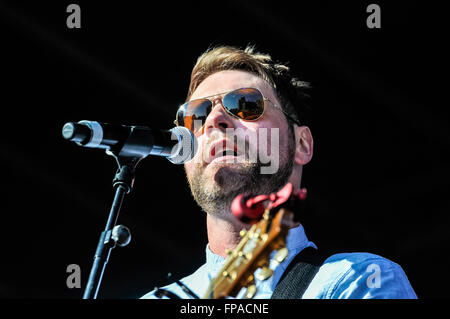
x,y
178,145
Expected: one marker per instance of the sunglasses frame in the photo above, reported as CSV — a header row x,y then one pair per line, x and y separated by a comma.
x,y
235,116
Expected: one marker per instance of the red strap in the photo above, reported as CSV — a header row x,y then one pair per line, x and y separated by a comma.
x,y
250,209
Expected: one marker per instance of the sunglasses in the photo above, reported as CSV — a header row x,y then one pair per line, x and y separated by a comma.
x,y
246,104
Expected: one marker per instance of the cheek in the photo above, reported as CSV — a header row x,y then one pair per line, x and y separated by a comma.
x,y
271,137
193,165
188,167
188,170
198,160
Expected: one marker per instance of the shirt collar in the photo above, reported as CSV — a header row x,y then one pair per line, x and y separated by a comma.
x,y
296,240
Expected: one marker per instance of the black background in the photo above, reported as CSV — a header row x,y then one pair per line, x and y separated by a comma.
x,y
378,181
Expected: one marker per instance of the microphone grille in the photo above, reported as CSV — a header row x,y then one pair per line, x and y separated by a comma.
x,y
186,147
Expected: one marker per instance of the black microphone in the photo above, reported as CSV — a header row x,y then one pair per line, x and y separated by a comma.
x,y
178,145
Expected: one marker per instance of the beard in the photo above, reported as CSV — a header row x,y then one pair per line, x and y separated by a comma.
x,y
215,192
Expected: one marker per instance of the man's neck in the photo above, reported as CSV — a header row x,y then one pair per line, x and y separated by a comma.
x,y
222,234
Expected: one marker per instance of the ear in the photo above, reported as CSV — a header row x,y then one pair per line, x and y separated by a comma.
x,y
304,145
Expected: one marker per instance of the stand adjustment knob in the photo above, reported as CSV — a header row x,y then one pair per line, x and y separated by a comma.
x,y
121,235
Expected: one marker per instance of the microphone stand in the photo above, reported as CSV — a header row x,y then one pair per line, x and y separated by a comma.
x,y
112,234
127,157
127,154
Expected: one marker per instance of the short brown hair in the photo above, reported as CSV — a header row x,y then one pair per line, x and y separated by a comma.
x,y
290,91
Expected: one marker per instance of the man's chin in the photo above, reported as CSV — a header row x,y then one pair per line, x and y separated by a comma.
x,y
231,175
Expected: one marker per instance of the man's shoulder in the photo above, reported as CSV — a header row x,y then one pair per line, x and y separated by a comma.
x,y
349,264
360,275
348,259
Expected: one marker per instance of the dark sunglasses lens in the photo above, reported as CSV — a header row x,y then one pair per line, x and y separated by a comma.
x,y
192,115
246,104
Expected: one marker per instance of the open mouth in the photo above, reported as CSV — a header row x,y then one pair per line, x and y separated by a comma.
x,y
221,151
226,152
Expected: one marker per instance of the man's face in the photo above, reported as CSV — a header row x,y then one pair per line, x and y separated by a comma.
x,y
215,179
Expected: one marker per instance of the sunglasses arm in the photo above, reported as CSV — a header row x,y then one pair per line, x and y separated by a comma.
x,y
284,112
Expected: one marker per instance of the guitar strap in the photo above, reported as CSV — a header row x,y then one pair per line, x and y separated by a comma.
x,y
299,274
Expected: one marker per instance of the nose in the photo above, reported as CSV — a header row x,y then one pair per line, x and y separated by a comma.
x,y
218,119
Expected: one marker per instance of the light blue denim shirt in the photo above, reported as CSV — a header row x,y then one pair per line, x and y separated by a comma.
x,y
342,276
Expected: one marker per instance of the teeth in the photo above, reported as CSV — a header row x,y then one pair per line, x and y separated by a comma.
x,y
229,152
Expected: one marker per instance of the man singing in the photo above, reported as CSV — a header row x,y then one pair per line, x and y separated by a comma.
x,y
247,113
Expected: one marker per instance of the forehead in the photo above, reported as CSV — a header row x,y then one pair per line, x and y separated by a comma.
x,y
224,81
